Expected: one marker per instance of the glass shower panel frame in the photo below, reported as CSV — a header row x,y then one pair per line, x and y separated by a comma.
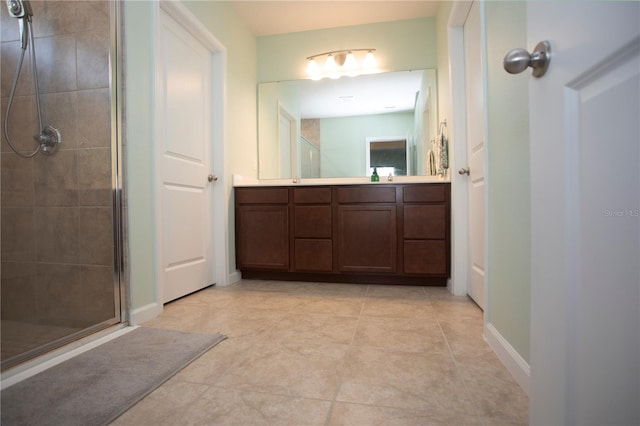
x,y
87,268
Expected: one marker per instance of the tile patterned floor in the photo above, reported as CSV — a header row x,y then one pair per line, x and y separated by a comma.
x,y
333,354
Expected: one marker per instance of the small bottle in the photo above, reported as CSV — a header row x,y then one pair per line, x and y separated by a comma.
x,y
374,176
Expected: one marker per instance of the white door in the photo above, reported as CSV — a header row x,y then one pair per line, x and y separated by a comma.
x,y
288,144
184,99
476,153
284,141
585,188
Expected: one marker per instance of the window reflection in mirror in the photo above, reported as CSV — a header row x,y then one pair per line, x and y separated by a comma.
x,y
334,118
389,156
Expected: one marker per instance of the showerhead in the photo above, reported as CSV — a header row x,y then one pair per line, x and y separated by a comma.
x,y
19,8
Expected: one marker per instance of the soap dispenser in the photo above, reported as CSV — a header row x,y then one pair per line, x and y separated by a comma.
x,y
374,176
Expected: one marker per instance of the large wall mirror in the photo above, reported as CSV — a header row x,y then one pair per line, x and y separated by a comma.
x,y
348,126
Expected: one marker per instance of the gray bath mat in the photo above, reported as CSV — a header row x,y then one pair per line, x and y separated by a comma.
x,y
99,385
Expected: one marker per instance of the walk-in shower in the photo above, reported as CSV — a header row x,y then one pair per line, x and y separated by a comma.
x,y
48,137
61,250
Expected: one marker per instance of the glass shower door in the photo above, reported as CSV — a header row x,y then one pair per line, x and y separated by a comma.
x,y
59,210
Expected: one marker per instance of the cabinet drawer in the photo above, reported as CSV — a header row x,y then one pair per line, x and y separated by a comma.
x,y
313,255
312,222
262,195
312,195
423,193
367,194
425,221
425,257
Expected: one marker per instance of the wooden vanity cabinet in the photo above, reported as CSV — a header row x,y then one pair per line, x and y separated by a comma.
x,y
426,224
262,228
367,226
312,230
386,234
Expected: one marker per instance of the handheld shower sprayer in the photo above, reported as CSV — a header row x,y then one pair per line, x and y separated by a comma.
x,y
48,137
19,8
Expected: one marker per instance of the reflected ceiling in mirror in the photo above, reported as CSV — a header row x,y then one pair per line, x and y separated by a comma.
x,y
363,95
319,128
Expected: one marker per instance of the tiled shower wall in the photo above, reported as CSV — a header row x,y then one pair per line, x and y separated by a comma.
x,y
57,228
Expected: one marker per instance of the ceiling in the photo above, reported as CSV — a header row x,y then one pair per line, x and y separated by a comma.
x,y
279,17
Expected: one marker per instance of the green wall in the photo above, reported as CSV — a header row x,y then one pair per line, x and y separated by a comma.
x,y
239,117
283,56
508,177
342,147
138,146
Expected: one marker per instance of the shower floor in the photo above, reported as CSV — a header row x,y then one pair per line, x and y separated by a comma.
x,y
20,337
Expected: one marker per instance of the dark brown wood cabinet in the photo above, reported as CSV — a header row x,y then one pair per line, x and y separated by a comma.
x,y
264,234
312,230
386,233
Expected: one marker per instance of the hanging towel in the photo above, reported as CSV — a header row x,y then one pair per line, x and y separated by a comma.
x,y
432,163
443,154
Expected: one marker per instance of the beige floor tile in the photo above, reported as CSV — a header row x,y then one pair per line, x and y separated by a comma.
x,y
380,354
296,368
397,308
464,337
404,380
344,414
219,406
334,305
457,308
400,334
165,406
291,287
396,291
338,289
492,388
441,293
314,328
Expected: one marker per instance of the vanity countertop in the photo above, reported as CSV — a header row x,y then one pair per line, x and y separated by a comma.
x,y
239,181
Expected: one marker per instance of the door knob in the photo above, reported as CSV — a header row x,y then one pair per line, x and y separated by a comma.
x,y
212,178
464,171
518,60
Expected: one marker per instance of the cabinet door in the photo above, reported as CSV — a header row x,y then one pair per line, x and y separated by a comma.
x,y
313,255
367,238
425,257
263,237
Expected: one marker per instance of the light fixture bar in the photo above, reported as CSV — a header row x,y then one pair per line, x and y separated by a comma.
x,y
340,63
333,52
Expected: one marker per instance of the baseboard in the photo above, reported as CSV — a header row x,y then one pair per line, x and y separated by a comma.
x,y
511,359
234,277
145,313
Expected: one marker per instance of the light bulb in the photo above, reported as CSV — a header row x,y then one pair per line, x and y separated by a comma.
x,y
330,65
370,60
312,68
350,65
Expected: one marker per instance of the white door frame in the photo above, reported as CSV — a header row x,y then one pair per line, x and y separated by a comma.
x,y
459,194
218,208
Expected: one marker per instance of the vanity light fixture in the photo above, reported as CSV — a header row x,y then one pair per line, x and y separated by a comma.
x,y
341,62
